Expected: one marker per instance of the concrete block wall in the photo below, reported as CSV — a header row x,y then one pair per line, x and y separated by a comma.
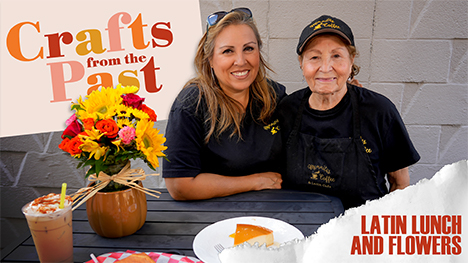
x,y
413,51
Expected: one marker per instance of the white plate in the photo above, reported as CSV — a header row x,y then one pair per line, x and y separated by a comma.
x,y
205,240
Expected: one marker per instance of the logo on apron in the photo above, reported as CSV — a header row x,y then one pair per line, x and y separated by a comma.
x,y
320,176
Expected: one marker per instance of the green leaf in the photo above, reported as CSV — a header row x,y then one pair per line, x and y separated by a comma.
x,y
76,107
91,171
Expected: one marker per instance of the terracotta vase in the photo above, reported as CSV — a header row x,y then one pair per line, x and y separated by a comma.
x,y
117,214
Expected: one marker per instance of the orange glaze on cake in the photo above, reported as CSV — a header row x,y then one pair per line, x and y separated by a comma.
x,y
253,234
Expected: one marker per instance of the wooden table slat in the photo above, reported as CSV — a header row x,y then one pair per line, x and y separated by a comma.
x,y
298,206
179,228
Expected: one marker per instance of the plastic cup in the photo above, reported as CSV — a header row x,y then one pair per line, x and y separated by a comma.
x,y
52,234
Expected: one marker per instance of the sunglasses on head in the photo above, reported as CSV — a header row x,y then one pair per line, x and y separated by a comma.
x,y
214,18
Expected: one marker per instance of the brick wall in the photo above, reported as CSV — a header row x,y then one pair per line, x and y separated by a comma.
x,y
414,52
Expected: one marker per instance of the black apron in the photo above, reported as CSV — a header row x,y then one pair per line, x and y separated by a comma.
x,y
338,167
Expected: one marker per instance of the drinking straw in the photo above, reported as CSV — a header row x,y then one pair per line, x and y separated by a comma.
x,y
95,260
62,196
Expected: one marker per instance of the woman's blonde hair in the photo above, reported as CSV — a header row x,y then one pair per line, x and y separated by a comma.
x,y
223,111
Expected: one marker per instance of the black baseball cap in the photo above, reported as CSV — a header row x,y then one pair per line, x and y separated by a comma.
x,y
324,24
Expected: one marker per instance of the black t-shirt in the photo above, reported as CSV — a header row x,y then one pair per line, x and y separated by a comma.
x,y
383,132
258,150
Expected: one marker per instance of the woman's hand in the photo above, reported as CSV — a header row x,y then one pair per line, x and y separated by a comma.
x,y
268,180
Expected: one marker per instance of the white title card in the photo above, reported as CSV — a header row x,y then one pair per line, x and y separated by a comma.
x,y
53,52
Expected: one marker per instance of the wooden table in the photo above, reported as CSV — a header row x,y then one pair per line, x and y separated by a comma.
x,y
171,226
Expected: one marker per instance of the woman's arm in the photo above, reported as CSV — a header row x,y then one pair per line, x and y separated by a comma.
x,y
207,185
399,179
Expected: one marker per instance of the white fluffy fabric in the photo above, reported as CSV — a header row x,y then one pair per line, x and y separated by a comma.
x,y
446,193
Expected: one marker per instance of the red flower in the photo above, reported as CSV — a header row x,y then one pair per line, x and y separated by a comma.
x,y
88,123
108,127
132,100
149,111
72,130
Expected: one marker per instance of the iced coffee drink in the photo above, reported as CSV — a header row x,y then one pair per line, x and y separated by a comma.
x,y
51,228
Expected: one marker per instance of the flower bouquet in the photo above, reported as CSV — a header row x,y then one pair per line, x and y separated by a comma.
x,y
110,127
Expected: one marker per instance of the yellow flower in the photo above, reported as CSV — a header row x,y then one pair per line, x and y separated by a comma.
x,y
93,134
126,89
100,104
90,144
150,142
123,111
122,122
94,148
79,102
141,115
118,144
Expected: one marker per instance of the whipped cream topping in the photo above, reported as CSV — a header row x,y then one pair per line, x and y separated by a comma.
x,y
46,204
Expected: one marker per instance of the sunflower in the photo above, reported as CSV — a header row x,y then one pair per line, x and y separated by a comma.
x,y
126,90
123,111
150,142
122,122
100,104
140,115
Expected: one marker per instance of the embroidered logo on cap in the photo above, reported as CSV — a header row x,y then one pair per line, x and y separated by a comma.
x,y
324,23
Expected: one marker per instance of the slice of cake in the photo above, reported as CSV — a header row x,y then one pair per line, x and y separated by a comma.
x,y
253,234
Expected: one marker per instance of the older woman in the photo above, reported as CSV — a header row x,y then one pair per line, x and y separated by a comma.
x,y
222,133
341,139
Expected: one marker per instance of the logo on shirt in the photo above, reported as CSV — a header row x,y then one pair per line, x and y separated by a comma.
x,y
272,127
364,142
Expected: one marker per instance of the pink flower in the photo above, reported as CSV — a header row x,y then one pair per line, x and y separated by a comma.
x,y
127,134
132,100
71,119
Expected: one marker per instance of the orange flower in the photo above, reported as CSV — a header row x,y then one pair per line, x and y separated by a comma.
x,y
88,123
108,127
63,144
73,147
149,111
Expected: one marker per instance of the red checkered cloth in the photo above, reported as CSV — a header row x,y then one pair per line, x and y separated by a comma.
x,y
157,257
